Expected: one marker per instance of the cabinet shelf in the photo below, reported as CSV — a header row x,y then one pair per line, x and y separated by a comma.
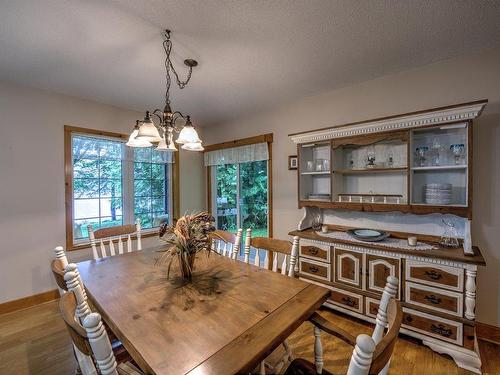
x,y
371,170
315,173
439,168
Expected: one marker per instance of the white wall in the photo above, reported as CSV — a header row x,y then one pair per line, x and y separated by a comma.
x,y
448,82
32,214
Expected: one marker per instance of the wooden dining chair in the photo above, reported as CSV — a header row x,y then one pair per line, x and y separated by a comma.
x,y
226,243
111,235
91,341
371,355
274,249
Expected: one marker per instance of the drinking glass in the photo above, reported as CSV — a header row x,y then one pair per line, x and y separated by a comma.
x,y
458,151
422,155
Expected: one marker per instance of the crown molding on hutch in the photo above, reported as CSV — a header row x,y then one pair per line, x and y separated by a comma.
x,y
435,116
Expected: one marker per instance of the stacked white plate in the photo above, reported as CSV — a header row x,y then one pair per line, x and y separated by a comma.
x,y
437,194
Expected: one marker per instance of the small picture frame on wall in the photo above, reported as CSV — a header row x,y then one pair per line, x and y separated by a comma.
x,y
293,162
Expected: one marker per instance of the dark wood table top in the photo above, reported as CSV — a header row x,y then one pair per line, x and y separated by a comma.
x,y
229,318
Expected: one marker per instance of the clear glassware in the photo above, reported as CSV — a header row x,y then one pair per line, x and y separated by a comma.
x,y
458,151
370,157
449,237
349,161
436,152
421,153
389,158
316,222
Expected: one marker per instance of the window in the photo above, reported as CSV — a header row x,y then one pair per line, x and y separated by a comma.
x,y
240,191
109,184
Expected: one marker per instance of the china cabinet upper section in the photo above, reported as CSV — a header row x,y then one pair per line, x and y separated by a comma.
x,y
419,162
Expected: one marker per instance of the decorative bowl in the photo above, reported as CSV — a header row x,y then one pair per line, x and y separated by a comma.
x,y
368,235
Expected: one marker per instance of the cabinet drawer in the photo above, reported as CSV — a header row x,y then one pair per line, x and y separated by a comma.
x,y
434,326
315,251
312,268
371,307
347,300
434,299
435,275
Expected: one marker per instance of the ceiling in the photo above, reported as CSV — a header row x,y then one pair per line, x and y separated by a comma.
x,y
253,54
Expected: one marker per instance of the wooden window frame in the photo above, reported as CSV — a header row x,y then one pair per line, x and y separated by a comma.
x,y
267,138
68,181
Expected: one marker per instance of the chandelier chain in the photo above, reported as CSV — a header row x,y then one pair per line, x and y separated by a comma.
x,y
167,46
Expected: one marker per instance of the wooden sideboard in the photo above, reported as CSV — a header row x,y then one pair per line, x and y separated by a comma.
x,y
437,288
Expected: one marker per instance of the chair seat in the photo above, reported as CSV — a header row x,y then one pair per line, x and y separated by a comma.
x,y
128,368
301,366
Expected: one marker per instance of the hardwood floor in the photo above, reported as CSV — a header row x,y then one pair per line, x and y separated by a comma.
x,y
35,341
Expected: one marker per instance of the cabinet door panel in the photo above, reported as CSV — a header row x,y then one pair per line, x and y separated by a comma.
x,y
348,267
378,269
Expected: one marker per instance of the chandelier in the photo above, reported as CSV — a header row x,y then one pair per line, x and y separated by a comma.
x,y
146,132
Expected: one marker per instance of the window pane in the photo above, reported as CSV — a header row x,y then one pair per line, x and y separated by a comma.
x,y
97,183
157,187
142,154
107,222
142,205
150,187
142,170
142,188
111,188
80,227
158,204
253,197
85,147
146,220
86,188
111,207
85,168
111,168
86,208
227,197
110,150
158,171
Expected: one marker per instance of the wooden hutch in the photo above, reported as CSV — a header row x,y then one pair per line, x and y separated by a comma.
x,y
406,172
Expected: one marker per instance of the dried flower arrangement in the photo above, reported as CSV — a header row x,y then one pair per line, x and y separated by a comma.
x,y
189,236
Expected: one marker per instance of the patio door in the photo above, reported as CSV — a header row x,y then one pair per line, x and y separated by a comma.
x,y
240,196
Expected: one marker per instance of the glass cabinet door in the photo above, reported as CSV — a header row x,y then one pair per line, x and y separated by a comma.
x,y
439,165
315,172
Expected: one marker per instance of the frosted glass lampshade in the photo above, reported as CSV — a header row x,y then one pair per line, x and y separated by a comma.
x,y
193,146
163,146
148,132
188,134
134,142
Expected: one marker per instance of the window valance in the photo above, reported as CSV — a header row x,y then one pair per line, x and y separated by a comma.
x,y
235,155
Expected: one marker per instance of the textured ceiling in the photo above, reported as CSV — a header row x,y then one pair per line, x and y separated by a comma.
x,y
253,54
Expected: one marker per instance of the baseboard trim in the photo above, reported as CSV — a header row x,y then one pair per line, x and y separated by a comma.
x,y
23,303
488,333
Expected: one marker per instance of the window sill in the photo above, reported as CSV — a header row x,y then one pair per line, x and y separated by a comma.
x,y
86,245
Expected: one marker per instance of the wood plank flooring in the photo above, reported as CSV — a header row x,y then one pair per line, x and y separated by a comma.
x,y
35,341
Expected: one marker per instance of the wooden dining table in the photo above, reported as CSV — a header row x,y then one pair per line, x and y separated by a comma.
x,y
227,319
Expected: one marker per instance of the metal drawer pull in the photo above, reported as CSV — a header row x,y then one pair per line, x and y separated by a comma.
x,y
433,275
349,301
433,299
409,318
313,251
313,269
441,330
